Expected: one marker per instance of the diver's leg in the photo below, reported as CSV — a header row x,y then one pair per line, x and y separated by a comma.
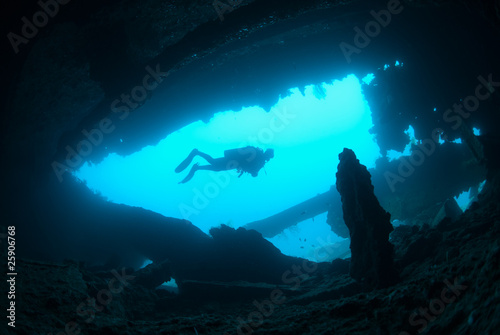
x,y
184,164
217,167
216,164
207,157
196,167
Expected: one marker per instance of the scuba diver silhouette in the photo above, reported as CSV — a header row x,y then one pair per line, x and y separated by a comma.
x,y
248,159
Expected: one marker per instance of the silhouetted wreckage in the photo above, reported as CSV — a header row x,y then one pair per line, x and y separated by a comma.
x,y
369,224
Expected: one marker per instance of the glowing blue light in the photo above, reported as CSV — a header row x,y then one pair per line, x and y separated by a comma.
x,y
170,286
368,78
146,263
393,154
463,199
306,130
312,239
476,131
481,186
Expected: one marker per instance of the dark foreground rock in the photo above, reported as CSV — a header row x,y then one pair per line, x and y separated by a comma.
x,y
463,266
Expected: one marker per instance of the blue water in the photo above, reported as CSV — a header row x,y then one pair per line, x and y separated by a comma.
x,y
307,131
394,154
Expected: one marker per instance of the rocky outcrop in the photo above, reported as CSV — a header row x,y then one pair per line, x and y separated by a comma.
x,y
153,275
53,296
241,254
369,224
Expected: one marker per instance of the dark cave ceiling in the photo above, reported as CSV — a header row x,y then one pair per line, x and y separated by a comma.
x,y
65,79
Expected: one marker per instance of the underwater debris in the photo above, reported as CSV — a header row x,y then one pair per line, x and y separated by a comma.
x,y
368,223
308,209
449,209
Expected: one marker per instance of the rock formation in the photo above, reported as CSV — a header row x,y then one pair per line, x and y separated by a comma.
x,y
369,224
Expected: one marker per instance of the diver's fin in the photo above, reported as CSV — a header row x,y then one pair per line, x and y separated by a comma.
x,y
184,164
190,174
